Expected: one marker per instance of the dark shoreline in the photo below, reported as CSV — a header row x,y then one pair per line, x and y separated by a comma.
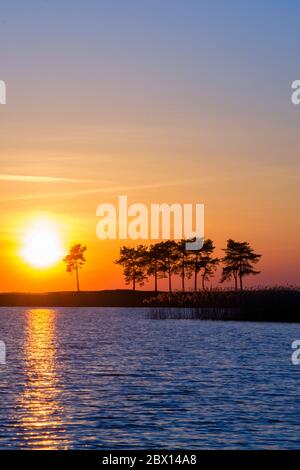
x,y
103,298
274,304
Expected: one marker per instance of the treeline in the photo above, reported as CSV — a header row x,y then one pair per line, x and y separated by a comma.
x,y
170,258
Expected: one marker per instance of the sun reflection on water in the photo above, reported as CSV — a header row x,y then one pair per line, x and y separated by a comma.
x,y
41,424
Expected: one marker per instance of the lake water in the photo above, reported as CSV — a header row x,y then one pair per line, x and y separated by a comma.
x,y
114,378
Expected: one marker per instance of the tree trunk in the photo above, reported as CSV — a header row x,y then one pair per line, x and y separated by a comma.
x,y
196,274
170,281
241,282
203,282
183,274
77,278
155,277
235,281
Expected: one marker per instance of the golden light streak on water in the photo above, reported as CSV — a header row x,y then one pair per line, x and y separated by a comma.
x,y
41,425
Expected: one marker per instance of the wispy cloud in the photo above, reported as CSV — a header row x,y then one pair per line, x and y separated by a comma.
x,y
41,179
93,191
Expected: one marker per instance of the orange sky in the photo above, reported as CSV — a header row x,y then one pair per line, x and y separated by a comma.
x,y
243,206
81,167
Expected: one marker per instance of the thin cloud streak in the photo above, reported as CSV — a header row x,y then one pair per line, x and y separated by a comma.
x,y
41,179
93,191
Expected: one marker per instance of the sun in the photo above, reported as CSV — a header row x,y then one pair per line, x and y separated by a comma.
x,y
42,246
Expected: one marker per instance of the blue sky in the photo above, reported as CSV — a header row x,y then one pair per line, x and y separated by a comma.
x,y
214,53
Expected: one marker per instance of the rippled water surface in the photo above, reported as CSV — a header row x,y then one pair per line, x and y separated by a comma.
x,y
112,378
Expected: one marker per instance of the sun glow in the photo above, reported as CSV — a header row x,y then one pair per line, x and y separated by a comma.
x,y
42,246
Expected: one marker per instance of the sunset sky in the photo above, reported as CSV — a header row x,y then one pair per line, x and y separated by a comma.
x,y
165,101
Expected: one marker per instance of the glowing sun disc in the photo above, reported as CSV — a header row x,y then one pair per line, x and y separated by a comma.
x,y
42,247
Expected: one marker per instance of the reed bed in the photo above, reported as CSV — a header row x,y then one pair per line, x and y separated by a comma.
x,y
173,313
273,304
